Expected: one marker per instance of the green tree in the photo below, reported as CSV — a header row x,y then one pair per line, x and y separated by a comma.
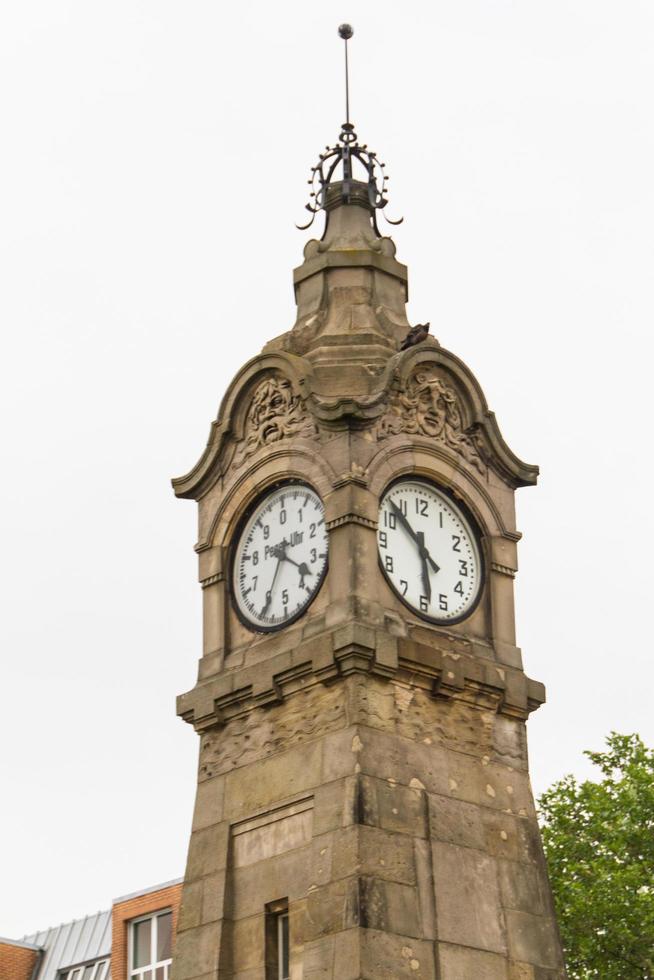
x,y
599,842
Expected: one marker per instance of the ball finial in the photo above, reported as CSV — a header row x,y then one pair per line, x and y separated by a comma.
x,y
346,31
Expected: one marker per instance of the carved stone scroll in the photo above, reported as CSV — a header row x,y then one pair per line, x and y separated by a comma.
x,y
275,413
428,406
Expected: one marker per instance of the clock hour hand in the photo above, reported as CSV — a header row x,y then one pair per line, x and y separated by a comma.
x,y
302,568
424,553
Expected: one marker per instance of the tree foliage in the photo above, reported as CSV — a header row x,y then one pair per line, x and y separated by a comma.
x,y
599,842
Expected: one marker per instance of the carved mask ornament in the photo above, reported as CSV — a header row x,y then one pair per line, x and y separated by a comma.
x,y
275,413
430,407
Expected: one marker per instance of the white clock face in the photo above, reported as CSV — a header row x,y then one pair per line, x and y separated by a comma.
x,y
280,558
428,551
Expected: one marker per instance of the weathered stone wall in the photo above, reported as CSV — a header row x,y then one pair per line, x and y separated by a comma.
x,y
399,826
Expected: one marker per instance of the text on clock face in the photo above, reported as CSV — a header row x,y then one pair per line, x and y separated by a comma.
x,y
281,557
428,551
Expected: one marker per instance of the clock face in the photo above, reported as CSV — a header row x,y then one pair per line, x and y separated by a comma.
x,y
429,551
280,558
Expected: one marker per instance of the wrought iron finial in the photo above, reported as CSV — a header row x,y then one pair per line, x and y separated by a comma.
x,y
336,166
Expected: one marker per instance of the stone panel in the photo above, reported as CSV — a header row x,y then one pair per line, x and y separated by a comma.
x,y
280,777
386,804
374,852
388,957
533,939
467,898
462,963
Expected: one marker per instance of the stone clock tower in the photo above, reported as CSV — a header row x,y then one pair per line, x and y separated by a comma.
x,y
363,806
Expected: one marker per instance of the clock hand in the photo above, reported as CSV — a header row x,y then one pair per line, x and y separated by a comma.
x,y
426,584
269,593
304,570
424,553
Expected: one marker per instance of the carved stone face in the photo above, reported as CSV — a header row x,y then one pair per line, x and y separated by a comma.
x,y
435,403
272,402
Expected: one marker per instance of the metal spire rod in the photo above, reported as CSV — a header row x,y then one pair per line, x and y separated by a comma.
x,y
346,31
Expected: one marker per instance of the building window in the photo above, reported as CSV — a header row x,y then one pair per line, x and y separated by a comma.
x,y
98,970
277,941
150,952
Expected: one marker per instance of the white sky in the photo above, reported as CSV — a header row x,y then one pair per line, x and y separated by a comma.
x,y
153,162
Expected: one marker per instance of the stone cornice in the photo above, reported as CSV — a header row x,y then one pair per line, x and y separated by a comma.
x,y
355,648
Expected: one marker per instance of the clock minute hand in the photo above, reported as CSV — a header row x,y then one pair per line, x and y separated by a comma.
x,y
426,584
424,553
269,593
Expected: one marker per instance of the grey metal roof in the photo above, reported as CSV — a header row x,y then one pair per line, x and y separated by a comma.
x,y
74,942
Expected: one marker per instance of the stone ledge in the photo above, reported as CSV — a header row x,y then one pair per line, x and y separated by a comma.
x,y
360,649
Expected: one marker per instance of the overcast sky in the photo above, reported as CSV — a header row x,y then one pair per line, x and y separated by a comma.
x,y
154,157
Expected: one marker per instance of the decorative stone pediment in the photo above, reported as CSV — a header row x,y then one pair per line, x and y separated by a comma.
x,y
265,405
426,404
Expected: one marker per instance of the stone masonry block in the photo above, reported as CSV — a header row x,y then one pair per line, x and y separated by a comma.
x,y
288,874
207,851
341,754
196,952
467,898
384,803
371,851
331,909
402,760
389,907
425,885
209,803
532,939
455,822
213,897
281,776
247,944
388,957
510,742
461,963
333,804
190,912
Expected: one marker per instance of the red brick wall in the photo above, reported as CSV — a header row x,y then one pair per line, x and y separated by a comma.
x,y
132,908
17,962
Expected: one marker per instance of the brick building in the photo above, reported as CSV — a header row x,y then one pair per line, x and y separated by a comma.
x,y
133,940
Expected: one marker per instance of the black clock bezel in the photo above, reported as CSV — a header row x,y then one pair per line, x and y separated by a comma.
x,y
233,548
474,530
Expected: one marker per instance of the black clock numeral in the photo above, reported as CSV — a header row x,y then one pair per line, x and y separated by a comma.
x,y
255,557
299,514
403,506
383,539
459,588
440,518
424,603
442,602
405,585
284,597
463,567
390,520
457,541
312,530
255,579
388,563
314,555
422,508
282,516
266,531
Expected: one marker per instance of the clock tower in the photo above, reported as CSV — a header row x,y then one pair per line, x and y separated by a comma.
x,y
363,806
